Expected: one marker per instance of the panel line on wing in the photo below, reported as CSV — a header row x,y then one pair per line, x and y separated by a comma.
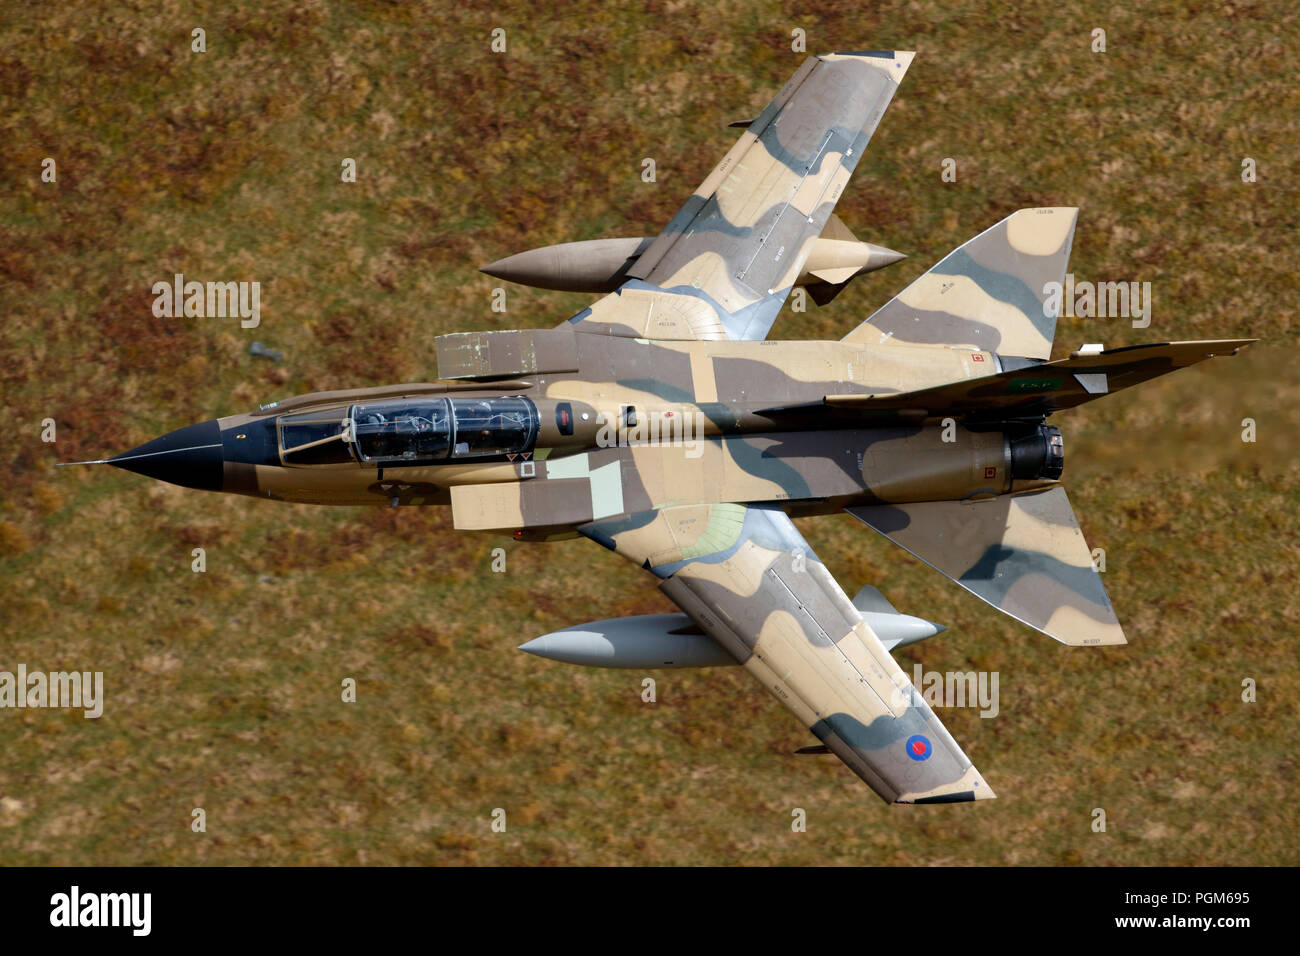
x,y
794,191
832,642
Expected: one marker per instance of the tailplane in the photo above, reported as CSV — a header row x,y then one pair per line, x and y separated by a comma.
x,y
989,293
1024,554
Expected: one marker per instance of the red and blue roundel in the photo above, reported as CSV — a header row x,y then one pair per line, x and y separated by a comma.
x,y
918,747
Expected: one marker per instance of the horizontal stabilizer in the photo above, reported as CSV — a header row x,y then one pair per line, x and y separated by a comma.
x,y
1024,554
1041,388
989,293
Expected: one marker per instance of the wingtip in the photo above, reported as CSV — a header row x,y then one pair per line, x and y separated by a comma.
x,y
1028,211
971,787
901,59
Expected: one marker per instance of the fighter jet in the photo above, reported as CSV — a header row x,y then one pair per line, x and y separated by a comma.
x,y
664,425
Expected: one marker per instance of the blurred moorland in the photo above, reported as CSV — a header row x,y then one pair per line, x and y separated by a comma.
x,y
223,687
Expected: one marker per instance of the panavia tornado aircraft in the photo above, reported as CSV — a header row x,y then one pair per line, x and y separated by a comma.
x,y
662,424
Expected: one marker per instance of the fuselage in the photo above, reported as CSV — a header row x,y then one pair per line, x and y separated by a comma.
x,y
551,429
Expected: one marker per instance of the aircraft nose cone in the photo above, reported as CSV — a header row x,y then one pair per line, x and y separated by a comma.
x,y
190,457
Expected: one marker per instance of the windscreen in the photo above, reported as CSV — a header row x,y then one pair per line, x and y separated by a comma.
x,y
314,438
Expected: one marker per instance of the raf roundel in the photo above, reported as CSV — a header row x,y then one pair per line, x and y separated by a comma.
x,y
918,747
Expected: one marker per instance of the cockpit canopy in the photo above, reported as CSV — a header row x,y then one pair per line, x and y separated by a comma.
x,y
411,431
402,430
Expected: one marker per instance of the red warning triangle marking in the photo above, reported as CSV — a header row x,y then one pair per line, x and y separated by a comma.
x,y
510,455
527,455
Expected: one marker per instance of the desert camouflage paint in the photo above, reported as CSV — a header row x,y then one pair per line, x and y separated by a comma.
x,y
661,423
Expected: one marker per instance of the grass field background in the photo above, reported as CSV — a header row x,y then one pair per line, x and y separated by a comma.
x,y
223,688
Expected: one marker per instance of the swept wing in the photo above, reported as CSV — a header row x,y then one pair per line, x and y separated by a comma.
x,y
725,263
748,578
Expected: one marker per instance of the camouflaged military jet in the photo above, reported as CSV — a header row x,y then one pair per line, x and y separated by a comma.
x,y
662,424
